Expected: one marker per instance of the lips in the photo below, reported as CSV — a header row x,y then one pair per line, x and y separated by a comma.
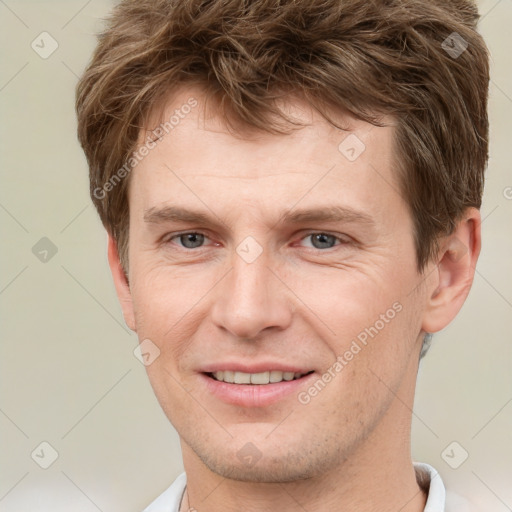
x,y
254,385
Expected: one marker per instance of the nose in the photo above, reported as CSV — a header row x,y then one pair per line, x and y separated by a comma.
x,y
251,299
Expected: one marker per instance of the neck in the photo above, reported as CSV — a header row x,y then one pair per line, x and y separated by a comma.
x,y
322,496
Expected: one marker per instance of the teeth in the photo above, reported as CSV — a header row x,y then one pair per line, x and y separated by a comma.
x,y
242,378
260,378
276,376
272,377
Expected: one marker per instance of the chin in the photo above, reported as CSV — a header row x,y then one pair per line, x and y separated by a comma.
x,y
277,472
283,465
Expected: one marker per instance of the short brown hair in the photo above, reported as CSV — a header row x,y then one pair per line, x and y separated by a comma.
x,y
421,62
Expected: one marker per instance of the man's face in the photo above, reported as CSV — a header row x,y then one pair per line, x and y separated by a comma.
x,y
302,262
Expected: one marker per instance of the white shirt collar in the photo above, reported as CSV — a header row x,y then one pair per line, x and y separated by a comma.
x,y
170,500
427,475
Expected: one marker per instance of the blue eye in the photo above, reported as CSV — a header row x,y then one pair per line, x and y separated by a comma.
x,y
191,240
323,241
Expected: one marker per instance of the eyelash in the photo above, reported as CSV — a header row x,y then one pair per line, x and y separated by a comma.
x,y
340,239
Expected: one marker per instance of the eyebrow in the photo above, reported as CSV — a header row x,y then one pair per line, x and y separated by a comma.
x,y
328,214
175,214
164,214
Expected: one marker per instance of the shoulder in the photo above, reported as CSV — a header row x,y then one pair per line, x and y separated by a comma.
x,y
169,500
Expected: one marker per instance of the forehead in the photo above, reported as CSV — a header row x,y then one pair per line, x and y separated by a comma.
x,y
199,156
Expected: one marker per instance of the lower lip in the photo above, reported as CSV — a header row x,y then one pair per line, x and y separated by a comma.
x,y
254,395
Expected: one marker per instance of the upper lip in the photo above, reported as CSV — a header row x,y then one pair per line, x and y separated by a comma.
x,y
254,367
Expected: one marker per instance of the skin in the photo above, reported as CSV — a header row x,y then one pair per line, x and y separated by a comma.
x,y
349,447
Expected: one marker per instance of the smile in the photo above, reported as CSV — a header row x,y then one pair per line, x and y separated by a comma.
x,y
254,389
261,378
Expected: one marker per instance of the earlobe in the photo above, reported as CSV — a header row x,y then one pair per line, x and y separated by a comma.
x,y
121,283
454,272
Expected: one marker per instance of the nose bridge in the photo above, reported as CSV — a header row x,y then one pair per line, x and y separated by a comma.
x,y
249,300
249,285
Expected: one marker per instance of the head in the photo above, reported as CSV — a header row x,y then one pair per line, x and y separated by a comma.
x,y
288,186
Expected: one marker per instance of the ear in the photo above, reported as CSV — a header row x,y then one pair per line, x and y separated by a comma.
x,y
121,283
454,272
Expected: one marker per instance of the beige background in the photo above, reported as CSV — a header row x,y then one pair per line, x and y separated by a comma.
x,y
68,373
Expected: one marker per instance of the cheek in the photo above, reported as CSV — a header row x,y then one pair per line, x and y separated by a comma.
x,y
386,344
168,304
367,370
368,321
346,301
163,293
166,312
